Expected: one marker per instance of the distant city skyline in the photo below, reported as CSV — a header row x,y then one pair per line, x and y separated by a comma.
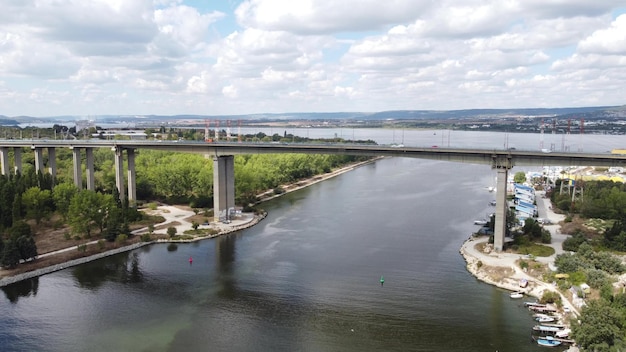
x,y
232,57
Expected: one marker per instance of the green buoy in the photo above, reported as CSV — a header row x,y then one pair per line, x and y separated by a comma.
x,y
382,280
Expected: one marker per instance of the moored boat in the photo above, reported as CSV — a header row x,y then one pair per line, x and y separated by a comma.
x,y
548,341
543,318
546,329
517,294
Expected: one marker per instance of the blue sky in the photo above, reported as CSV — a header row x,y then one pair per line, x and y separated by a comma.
x,y
225,57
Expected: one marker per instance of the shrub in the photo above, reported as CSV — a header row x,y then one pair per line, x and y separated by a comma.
x,y
100,244
596,278
121,238
479,264
146,237
67,236
551,297
171,231
523,264
82,248
572,243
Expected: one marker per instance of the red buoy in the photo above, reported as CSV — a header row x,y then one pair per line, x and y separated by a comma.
x,y
190,260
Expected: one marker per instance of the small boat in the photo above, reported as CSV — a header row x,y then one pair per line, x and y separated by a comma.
x,y
563,333
545,319
480,222
546,329
517,294
548,341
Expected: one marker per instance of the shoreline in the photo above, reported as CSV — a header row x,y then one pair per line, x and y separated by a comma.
x,y
223,229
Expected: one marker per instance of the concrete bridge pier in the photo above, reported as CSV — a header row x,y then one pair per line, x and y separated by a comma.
x,y
89,169
132,182
17,159
119,171
4,157
38,159
502,164
78,177
223,185
52,163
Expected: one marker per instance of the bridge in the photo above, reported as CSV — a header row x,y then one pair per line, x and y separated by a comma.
x,y
223,162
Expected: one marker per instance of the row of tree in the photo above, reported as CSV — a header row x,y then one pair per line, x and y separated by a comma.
x,y
168,176
602,323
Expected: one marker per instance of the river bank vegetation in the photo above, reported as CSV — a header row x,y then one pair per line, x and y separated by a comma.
x,y
597,225
33,206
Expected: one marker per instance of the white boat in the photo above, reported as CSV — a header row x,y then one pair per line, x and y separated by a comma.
x,y
517,294
563,333
547,329
548,341
544,318
480,222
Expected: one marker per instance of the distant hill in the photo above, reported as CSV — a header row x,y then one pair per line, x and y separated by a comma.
x,y
489,113
589,113
7,121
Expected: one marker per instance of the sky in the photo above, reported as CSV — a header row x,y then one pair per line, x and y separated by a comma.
x,y
229,57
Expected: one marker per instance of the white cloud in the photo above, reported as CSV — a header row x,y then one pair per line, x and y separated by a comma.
x,y
610,41
323,17
169,57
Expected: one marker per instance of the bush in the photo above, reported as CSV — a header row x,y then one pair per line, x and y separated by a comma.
x,y
171,231
67,236
551,297
146,237
572,243
100,244
121,238
596,278
82,248
523,264
479,264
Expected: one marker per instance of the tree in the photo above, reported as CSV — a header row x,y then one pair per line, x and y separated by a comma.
x,y
519,177
37,202
26,247
10,255
62,195
86,209
171,231
599,326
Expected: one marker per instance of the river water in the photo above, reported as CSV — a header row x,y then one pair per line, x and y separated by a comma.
x,y
306,278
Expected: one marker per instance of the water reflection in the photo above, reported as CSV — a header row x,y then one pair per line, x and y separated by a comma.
x,y
123,268
23,288
225,261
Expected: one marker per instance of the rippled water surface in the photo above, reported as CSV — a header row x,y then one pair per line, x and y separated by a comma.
x,y
304,279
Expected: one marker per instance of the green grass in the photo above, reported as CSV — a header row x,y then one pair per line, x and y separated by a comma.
x,y
537,250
